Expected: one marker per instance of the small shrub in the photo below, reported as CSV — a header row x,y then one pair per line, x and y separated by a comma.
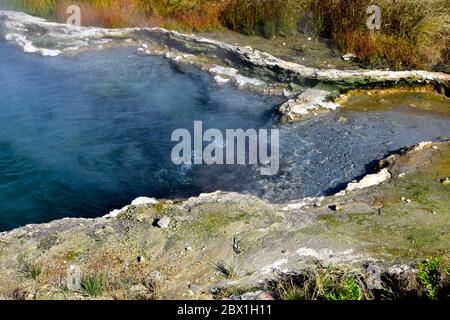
x,y
430,275
353,289
349,291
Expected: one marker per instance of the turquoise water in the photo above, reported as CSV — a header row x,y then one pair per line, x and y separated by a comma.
x,y
80,136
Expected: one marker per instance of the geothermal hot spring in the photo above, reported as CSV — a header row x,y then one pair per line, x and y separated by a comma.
x,y
80,136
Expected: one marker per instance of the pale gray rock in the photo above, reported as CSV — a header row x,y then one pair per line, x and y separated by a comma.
x,y
349,56
163,223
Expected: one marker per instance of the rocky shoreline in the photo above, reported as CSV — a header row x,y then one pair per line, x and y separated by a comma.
x,y
201,247
187,247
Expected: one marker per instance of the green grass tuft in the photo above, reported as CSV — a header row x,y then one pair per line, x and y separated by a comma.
x,y
28,268
229,271
430,276
93,284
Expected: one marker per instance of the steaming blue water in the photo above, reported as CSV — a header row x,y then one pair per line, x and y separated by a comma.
x,y
84,135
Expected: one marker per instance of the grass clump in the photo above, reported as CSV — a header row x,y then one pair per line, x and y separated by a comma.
x,y
429,281
29,269
229,271
414,33
430,276
290,292
43,8
350,291
180,14
93,284
266,17
324,284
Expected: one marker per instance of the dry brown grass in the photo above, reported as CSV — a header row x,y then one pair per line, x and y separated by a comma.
x,y
414,33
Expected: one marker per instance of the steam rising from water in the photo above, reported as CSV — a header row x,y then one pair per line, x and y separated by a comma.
x,y
82,136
